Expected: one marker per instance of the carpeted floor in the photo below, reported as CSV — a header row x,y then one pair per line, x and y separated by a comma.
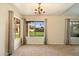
x,y
47,50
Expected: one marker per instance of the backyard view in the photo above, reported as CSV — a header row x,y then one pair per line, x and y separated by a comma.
x,y
38,34
36,28
17,30
17,35
75,29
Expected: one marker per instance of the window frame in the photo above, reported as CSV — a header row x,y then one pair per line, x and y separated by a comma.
x,y
38,35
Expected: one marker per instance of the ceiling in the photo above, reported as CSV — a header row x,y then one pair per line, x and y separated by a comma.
x,y
50,8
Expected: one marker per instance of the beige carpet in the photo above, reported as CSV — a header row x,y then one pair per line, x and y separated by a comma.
x,y
47,50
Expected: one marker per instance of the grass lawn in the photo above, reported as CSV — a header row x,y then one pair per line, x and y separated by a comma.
x,y
38,34
17,35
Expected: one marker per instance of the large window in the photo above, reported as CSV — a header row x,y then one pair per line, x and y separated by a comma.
x,y
74,28
35,28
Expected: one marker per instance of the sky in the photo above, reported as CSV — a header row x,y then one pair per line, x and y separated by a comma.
x,y
38,24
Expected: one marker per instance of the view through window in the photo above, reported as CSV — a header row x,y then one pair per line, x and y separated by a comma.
x,y
17,29
35,28
75,28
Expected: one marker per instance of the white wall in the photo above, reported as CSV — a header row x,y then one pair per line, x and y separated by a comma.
x,y
35,40
4,8
55,27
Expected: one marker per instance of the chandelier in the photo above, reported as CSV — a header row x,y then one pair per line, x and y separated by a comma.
x,y
39,10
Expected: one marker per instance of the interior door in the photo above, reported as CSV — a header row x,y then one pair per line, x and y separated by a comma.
x,y
74,32
35,32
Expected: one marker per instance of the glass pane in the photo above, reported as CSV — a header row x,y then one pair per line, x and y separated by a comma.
x,y
17,29
75,29
36,28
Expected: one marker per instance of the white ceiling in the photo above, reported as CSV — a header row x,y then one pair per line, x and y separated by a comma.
x,y
50,8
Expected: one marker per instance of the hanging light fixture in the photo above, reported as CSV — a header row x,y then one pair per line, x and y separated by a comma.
x,y
39,10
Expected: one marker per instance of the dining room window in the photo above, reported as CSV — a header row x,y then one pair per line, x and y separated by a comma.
x,y
35,28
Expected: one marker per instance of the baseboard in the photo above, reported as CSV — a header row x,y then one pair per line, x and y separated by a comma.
x,y
74,44
57,43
